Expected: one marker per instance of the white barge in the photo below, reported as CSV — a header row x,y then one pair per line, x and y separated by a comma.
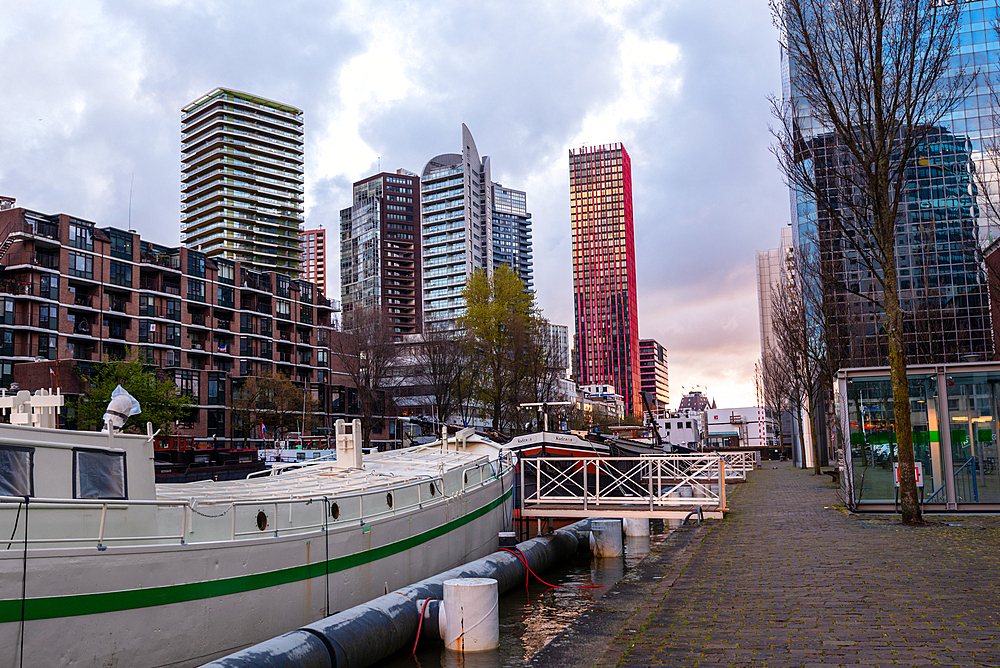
x,y
103,567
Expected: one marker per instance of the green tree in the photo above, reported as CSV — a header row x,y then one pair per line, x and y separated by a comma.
x,y
161,402
501,324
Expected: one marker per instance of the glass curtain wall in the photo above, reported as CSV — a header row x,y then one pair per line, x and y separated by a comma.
x,y
955,442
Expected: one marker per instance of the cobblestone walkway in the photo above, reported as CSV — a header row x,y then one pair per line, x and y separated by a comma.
x,y
788,579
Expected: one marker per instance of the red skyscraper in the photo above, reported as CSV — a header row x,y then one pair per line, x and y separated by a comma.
x,y
607,325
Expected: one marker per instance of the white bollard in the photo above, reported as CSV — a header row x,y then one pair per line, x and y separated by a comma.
x,y
636,526
606,538
471,620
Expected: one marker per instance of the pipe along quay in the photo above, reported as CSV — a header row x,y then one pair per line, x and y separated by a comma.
x,y
370,632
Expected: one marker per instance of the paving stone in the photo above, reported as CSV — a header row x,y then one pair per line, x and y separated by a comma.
x,y
789,578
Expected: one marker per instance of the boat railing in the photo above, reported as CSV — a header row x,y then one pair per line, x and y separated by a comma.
x,y
201,521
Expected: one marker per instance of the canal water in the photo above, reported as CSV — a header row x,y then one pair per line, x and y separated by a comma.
x,y
529,619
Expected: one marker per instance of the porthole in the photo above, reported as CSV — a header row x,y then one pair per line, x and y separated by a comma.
x,y
335,511
433,491
261,520
388,499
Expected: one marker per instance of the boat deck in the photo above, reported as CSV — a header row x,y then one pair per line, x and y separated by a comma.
x,y
319,478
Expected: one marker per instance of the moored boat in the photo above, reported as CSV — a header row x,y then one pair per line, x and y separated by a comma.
x,y
106,567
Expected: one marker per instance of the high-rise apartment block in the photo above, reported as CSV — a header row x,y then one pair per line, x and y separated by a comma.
x,y
774,268
607,327
456,229
314,257
512,231
556,340
380,250
653,372
77,294
241,180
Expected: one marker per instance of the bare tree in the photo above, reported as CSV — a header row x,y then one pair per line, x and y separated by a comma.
x,y
875,77
440,360
796,345
366,352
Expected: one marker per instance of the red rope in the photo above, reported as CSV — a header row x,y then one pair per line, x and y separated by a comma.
x,y
524,561
419,624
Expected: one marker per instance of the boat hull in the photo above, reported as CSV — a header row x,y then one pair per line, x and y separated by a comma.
x,y
184,605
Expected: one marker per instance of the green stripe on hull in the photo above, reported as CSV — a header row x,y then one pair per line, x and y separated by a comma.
x,y
85,604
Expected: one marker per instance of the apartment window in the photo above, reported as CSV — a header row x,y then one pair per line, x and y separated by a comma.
x,y
47,346
322,357
306,314
196,290
305,356
265,327
247,346
282,286
48,286
266,350
245,367
283,309
226,297
196,264
216,421
227,272
48,317
187,382
81,265
172,358
121,273
121,244
81,237
173,309
216,388
172,336
246,323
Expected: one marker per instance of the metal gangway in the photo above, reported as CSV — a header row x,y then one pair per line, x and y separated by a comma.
x,y
654,486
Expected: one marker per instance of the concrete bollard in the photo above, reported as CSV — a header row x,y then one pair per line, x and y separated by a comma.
x,y
606,538
636,526
471,619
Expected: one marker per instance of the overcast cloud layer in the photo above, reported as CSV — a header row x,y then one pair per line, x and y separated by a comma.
x,y
92,93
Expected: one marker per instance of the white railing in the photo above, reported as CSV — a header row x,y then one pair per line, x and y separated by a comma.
x,y
235,520
741,461
658,481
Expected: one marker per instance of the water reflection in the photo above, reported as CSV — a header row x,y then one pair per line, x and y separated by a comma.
x,y
529,619
450,659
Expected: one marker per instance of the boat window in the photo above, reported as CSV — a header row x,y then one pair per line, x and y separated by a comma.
x,y
16,471
99,474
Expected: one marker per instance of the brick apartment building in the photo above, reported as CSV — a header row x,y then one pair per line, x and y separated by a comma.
x,y
78,294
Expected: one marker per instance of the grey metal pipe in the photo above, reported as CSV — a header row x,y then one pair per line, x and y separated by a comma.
x,y
367,633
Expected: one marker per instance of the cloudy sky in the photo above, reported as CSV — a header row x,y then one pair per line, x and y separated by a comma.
x,y
92,93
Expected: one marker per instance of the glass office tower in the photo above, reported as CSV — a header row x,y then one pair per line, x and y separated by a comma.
x,y
943,286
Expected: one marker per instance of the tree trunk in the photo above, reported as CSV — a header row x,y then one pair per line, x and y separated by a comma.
x,y
817,468
909,500
802,433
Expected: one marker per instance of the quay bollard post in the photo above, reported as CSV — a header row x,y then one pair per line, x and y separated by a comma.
x,y
606,538
636,526
471,616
